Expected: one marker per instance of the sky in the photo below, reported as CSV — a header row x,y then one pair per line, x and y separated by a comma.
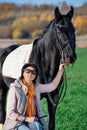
x,y
75,3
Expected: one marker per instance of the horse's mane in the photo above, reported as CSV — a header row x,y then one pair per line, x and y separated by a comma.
x,y
44,31
35,41
47,27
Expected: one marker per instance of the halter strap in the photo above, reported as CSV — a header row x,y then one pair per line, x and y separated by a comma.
x,y
63,26
59,47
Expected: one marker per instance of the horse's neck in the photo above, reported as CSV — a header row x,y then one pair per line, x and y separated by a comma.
x,y
50,59
48,40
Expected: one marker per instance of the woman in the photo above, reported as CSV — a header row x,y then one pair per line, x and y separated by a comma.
x,y
23,103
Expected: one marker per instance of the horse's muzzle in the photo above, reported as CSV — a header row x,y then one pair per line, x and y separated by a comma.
x,y
73,59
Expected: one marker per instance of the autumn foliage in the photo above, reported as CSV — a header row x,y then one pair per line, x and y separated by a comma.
x,y
29,21
80,24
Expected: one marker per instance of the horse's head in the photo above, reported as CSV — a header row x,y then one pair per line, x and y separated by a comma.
x,y
65,35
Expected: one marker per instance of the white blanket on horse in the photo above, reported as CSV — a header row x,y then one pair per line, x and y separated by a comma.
x,y
15,60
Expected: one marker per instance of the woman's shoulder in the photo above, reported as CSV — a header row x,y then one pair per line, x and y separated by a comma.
x,y
16,84
15,87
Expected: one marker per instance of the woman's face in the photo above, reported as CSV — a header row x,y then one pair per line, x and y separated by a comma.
x,y
29,74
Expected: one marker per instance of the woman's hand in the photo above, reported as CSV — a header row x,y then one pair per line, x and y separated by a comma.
x,y
62,66
31,119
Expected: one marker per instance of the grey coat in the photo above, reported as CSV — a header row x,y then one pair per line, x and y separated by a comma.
x,y
20,92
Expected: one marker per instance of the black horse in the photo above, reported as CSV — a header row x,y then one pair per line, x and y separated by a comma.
x,y
57,43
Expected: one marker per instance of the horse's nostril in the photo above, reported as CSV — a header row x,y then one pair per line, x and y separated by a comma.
x,y
73,59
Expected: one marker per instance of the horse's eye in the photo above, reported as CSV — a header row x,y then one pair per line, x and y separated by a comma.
x,y
62,29
59,27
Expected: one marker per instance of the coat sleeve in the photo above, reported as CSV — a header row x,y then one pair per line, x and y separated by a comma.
x,y
53,85
11,104
46,88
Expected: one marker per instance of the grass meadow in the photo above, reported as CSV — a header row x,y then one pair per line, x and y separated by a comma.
x,y
71,113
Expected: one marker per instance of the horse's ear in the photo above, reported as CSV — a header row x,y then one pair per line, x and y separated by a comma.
x,y
70,13
57,13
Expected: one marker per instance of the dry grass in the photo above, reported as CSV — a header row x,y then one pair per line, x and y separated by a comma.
x,y
84,45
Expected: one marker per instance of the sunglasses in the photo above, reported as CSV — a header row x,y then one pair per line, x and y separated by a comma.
x,y
30,71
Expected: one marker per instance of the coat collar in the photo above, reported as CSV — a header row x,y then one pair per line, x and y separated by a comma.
x,y
18,83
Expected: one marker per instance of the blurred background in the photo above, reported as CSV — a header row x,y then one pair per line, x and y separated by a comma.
x,y
24,20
